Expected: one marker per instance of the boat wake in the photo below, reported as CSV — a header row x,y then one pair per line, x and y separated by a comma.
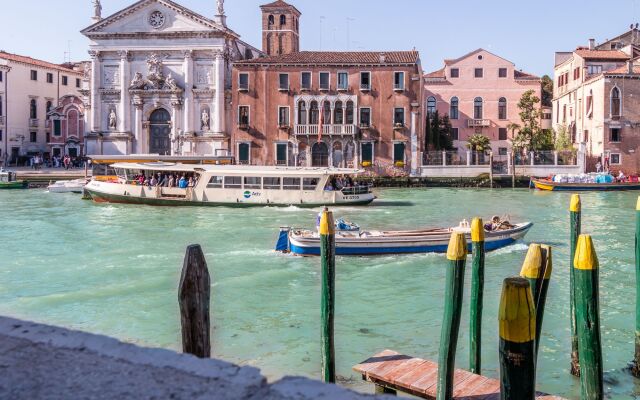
x,y
514,248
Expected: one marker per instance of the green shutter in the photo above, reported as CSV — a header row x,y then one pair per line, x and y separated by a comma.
x,y
398,152
281,152
367,152
244,152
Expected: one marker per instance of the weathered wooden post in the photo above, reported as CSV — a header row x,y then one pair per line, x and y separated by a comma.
x,y
532,269
588,319
541,301
517,327
328,297
477,294
457,256
575,221
635,365
193,297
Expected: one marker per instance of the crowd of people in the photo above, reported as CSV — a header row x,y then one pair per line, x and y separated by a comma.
x,y
67,162
159,179
340,182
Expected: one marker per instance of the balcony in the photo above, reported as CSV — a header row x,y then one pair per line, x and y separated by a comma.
x,y
475,123
34,122
2,121
338,130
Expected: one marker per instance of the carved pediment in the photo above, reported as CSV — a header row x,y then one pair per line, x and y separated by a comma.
x,y
155,18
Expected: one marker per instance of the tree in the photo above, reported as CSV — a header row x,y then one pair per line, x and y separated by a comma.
x,y
435,130
446,139
530,136
478,143
547,90
563,141
438,133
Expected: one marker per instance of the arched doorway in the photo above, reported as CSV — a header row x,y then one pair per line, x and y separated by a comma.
x,y
159,132
319,155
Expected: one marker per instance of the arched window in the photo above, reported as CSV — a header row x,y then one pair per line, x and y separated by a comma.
x,y
33,109
502,108
453,109
349,113
272,21
338,114
302,113
477,108
313,113
615,102
326,113
431,106
283,20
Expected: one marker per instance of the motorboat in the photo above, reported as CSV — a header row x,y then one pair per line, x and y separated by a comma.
x,y
306,242
229,185
72,186
8,180
585,182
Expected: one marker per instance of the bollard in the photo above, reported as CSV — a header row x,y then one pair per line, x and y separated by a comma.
x,y
477,294
517,327
457,256
328,261
575,218
588,319
635,365
193,298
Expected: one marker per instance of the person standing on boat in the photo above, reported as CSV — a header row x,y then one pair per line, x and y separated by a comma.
x,y
621,176
182,183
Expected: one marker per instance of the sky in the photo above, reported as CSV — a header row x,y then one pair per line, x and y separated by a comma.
x,y
527,34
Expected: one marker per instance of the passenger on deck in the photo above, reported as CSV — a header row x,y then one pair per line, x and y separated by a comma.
x,y
182,183
172,181
153,181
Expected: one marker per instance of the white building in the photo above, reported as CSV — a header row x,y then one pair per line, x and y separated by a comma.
x,y
158,77
29,88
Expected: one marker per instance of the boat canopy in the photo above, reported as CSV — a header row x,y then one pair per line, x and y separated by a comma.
x,y
237,169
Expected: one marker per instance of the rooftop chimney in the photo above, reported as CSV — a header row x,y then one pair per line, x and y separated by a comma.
x,y
383,58
592,44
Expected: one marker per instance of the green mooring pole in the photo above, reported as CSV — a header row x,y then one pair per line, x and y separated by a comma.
x,y
477,294
328,261
635,367
517,327
575,216
588,319
457,256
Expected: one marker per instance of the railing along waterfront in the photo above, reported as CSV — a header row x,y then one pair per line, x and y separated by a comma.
x,y
345,129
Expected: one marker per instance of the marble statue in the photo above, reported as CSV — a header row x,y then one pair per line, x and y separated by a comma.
x,y
220,7
97,9
205,120
137,82
170,82
112,119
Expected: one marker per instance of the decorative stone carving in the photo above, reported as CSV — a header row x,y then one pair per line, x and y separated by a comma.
x,y
97,10
138,82
155,79
170,82
203,75
220,7
205,120
155,76
112,119
111,75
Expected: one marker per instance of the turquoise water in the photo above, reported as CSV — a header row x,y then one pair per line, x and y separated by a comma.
x,y
114,270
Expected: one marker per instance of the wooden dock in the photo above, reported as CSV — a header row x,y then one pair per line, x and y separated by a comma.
x,y
418,377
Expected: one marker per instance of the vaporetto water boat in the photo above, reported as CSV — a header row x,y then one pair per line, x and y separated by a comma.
x,y
306,242
230,185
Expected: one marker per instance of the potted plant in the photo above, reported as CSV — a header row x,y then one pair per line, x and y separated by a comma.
x,y
399,164
366,164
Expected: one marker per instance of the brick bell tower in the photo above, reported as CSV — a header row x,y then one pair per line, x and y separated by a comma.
x,y
280,28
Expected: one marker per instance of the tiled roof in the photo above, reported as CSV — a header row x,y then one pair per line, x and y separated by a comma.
x,y
339,57
524,75
436,74
279,4
33,61
624,70
602,54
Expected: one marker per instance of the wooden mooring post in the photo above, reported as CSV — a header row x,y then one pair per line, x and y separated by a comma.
x,y
537,268
517,328
575,227
635,365
588,319
457,256
477,294
194,297
328,296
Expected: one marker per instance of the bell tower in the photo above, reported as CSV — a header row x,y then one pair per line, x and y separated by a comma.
x,y
280,28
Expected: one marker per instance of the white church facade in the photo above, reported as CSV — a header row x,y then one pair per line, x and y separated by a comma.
x,y
160,80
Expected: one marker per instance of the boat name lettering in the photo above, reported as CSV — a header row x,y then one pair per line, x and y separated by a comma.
x,y
352,197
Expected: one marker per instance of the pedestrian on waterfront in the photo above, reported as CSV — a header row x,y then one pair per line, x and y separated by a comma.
x,y
598,167
621,176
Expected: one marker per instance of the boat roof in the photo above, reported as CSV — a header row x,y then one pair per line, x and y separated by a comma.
x,y
238,169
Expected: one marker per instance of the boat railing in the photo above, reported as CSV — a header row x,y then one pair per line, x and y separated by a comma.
x,y
355,190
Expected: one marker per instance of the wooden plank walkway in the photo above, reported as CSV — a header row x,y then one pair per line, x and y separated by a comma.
x,y
419,377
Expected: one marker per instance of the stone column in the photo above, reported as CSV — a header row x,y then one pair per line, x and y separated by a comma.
x,y
123,109
96,67
188,92
138,132
175,106
219,120
414,143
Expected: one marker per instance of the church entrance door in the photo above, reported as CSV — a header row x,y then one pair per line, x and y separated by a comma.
x,y
160,129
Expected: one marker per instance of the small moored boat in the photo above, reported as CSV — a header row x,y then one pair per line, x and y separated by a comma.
x,y
358,243
8,181
73,186
551,185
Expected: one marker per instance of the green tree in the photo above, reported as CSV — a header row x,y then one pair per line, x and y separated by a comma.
x,y
446,139
478,143
530,136
428,137
547,90
563,141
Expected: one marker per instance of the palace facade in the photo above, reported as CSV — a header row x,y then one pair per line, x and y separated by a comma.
x,y
321,108
159,76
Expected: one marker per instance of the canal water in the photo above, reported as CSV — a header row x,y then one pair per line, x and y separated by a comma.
x,y
114,270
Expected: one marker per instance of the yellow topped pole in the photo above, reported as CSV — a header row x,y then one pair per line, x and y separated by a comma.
x,y
477,294
575,212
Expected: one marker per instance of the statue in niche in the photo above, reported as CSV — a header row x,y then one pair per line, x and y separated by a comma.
x,y
220,7
205,120
112,119
97,10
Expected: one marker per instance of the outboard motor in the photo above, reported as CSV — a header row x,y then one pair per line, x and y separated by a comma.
x,y
283,239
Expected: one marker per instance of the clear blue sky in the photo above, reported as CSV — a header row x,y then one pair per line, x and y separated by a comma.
x,y
527,34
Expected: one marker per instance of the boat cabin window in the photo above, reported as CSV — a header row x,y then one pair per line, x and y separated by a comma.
x,y
309,183
291,183
215,182
271,183
252,182
232,182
